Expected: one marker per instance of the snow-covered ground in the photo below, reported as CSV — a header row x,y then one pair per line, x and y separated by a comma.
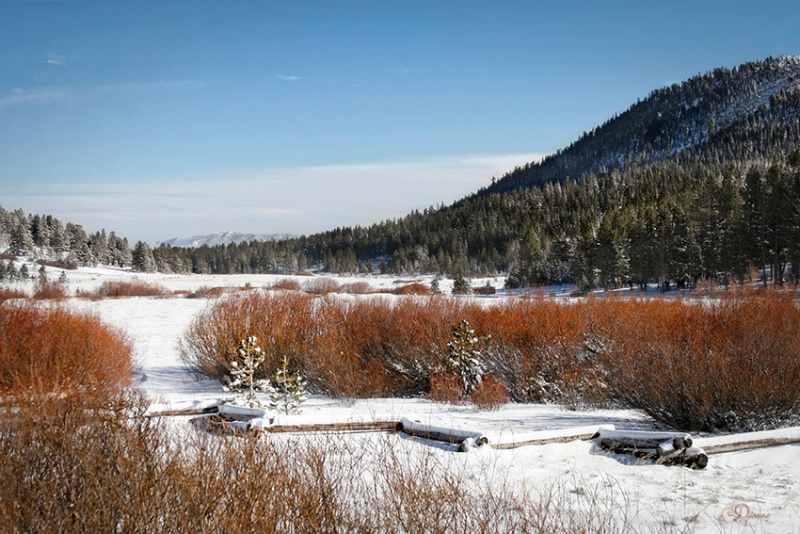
x,y
756,490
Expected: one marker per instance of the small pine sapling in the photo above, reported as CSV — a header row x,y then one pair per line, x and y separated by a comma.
x,y
289,389
464,359
243,370
461,285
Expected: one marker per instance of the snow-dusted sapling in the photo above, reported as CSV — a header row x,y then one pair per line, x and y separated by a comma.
x,y
463,357
242,378
289,388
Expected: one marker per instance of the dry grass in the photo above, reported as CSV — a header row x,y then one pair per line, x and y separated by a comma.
x,y
82,466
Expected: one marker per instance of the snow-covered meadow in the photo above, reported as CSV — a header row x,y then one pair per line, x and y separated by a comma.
x,y
752,490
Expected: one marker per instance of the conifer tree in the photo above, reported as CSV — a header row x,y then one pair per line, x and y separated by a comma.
x,y
289,388
244,367
464,359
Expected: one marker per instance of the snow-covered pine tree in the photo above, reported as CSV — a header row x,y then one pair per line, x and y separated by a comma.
x,y
242,378
289,388
463,357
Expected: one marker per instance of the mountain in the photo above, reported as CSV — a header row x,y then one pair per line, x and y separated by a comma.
x,y
223,238
750,112
698,181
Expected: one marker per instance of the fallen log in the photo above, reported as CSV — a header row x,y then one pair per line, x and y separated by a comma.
x,y
453,436
203,410
548,437
358,426
612,439
666,448
750,440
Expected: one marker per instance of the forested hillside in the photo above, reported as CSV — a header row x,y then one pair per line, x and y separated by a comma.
x,y
698,181
749,113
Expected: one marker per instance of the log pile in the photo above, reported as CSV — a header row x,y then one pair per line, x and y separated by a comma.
x,y
668,448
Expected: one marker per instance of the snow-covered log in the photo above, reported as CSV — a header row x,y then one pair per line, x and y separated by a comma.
x,y
750,440
183,408
240,413
547,437
619,440
453,436
668,448
353,426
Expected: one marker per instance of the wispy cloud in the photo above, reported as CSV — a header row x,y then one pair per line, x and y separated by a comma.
x,y
33,96
287,78
46,95
292,200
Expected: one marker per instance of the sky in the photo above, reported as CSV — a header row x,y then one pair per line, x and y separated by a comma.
x,y
178,118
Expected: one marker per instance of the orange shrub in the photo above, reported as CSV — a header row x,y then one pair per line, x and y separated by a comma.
x,y
321,286
126,288
726,364
288,284
46,350
49,290
281,321
445,387
413,289
6,294
489,394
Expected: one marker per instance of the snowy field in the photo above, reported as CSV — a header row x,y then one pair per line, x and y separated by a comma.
x,y
747,491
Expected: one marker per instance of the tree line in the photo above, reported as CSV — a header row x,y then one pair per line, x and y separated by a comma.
x,y
666,223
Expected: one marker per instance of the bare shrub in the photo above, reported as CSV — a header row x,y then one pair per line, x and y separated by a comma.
x,y
414,288
46,289
126,288
489,394
730,364
287,284
357,288
206,292
46,350
281,321
322,285
8,294
58,264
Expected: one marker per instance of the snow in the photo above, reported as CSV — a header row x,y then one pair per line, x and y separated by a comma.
x,y
766,480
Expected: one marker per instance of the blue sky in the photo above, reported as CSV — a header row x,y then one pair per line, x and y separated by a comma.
x,y
176,118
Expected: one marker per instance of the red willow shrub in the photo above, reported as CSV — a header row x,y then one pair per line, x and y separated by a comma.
x,y
45,289
280,320
727,364
537,346
490,394
50,349
125,288
7,293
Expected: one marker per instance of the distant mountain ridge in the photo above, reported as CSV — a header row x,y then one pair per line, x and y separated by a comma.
x,y
747,113
222,238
